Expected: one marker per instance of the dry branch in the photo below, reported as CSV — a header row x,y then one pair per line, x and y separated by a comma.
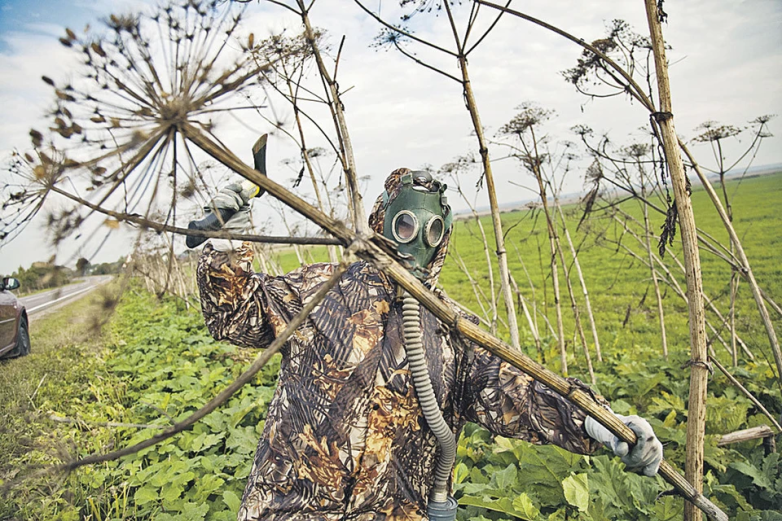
x,y
219,234
650,254
747,271
755,433
499,237
338,114
637,92
472,108
486,253
699,373
581,280
654,259
746,393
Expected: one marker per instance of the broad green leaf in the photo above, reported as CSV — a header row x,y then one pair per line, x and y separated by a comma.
x,y
478,477
231,500
171,492
460,473
523,504
170,517
206,486
504,505
503,444
559,515
668,509
243,440
576,489
758,477
505,478
195,511
145,495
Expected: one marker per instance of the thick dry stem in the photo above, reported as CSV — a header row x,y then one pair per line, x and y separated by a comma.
x,y
648,244
525,309
576,313
699,373
219,234
581,280
635,90
502,254
335,104
305,155
654,259
554,248
754,433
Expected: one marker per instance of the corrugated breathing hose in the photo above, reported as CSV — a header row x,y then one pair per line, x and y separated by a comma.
x,y
441,506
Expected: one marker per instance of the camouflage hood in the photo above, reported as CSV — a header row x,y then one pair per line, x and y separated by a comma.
x,y
393,186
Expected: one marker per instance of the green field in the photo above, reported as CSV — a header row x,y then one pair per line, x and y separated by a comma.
x,y
154,363
616,282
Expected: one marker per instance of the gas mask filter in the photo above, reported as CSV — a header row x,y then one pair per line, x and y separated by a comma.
x,y
417,220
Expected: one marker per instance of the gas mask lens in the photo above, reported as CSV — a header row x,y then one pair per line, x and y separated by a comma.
x,y
434,231
405,227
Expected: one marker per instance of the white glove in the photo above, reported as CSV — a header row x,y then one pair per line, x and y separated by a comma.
x,y
647,453
234,197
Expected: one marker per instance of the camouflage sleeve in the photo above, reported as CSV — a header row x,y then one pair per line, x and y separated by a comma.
x,y
246,308
510,403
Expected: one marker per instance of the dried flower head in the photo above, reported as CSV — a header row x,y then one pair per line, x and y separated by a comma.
x,y
120,124
593,77
529,115
713,131
22,197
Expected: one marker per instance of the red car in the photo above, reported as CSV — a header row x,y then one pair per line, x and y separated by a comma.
x,y
14,326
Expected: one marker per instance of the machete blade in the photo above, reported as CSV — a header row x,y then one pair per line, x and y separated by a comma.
x,y
259,154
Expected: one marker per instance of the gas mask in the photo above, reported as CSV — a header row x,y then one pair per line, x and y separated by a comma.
x,y
417,220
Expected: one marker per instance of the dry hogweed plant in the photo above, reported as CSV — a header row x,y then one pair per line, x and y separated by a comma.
x,y
116,145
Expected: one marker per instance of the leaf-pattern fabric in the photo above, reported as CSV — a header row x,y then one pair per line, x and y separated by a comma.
x,y
345,437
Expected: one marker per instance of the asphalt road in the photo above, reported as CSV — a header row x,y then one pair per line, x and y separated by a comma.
x,y
41,303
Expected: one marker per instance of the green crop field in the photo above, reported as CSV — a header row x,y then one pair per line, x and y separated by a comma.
x,y
154,363
620,287
617,283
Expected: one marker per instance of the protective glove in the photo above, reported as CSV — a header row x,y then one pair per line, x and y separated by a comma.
x,y
647,453
235,198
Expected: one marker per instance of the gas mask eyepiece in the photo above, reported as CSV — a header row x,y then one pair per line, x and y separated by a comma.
x,y
417,220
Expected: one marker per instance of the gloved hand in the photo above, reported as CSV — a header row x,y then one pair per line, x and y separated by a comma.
x,y
647,453
231,204
234,198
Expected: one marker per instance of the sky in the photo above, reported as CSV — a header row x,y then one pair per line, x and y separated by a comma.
x,y
726,65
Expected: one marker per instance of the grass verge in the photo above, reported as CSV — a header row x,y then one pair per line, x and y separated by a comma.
x,y
64,372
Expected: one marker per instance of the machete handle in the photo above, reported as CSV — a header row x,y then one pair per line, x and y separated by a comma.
x,y
210,223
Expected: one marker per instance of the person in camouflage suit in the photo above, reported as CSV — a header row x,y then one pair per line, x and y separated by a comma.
x,y
345,437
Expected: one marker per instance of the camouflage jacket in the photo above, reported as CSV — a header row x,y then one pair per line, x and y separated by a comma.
x,y
345,437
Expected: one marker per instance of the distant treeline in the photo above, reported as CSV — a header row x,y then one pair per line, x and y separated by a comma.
x,y
45,275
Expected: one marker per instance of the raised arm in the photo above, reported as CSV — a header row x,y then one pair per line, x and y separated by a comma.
x,y
234,300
